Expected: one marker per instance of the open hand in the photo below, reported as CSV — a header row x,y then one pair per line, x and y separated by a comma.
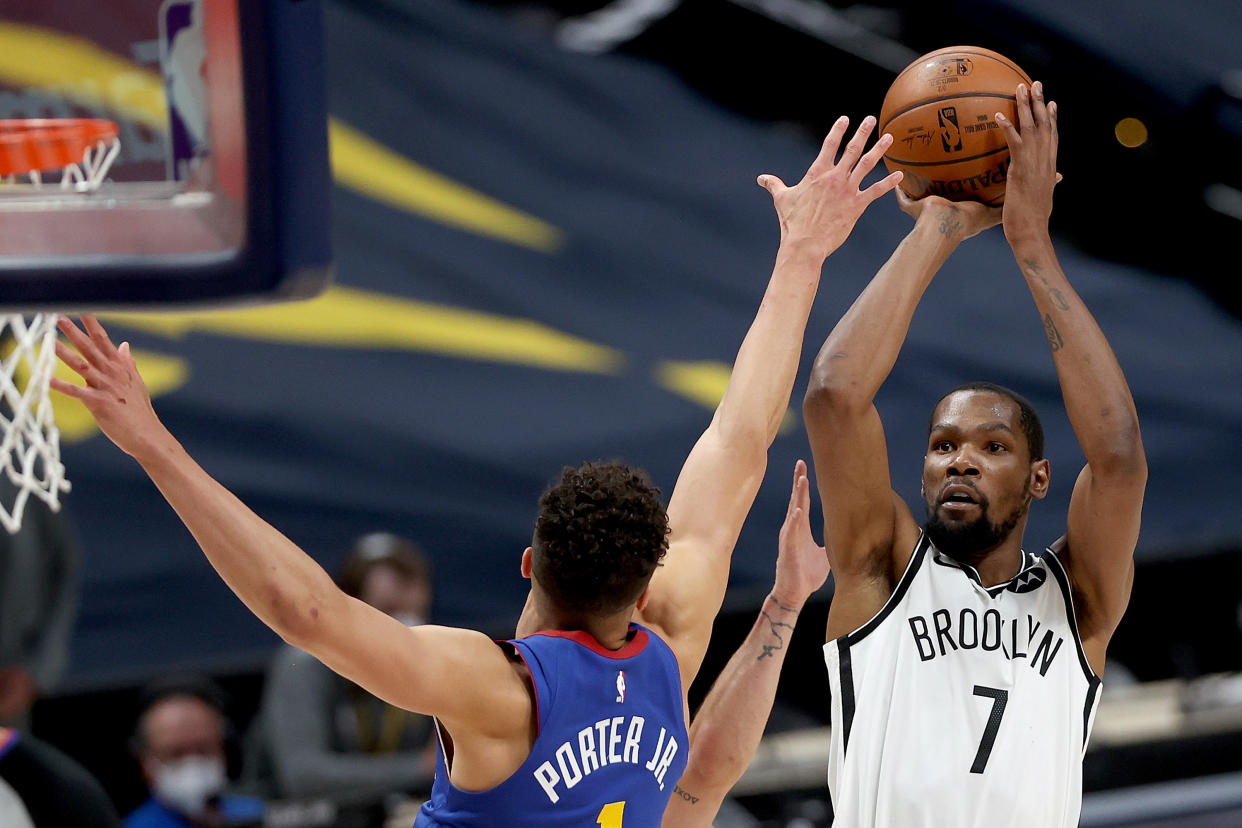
x,y
1032,163
801,563
114,392
824,206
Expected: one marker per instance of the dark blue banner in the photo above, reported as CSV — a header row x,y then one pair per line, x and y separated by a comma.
x,y
544,258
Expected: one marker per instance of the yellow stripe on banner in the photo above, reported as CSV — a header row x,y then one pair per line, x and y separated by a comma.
x,y
701,382
704,382
346,317
368,167
79,71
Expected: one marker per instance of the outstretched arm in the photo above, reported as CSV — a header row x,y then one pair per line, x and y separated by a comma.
x,y
1105,508
731,721
869,531
297,729
279,582
722,474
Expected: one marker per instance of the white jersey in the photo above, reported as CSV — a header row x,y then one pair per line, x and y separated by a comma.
x,y
960,705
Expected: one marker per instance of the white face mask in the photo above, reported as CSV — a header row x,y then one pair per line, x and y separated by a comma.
x,y
187,784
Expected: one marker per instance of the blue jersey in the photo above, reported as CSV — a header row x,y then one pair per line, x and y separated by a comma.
x,y
611,744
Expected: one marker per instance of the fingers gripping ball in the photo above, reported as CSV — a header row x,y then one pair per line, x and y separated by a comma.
x,y
941,113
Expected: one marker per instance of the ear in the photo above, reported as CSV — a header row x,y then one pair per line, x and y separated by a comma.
x,y
642,599
528,565
1041,477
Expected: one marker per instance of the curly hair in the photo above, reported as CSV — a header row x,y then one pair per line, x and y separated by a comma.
x,y
600,534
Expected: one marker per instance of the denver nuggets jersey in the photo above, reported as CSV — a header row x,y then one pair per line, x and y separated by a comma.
x,y
962,705
612,740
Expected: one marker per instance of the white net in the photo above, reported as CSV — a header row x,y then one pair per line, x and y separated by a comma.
x,y
31,150
30,449
84,177
83,150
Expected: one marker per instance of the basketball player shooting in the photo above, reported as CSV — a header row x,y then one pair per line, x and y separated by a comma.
x,y
582,720
965,670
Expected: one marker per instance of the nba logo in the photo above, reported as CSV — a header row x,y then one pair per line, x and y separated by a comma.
x,y
182,53
950,132
620,686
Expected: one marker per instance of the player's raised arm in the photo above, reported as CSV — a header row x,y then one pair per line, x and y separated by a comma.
x,y
727,729
869,531
1105,508
721,476
279,582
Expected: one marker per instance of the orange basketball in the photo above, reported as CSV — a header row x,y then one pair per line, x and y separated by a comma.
x,y
941,111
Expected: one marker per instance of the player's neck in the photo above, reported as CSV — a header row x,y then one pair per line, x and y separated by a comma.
x,y
611,636
1002,563
612,631
994,565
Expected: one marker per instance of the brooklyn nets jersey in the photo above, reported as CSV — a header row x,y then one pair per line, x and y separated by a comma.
x,y
962,705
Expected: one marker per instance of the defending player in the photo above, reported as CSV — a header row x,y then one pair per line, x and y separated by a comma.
x,y
965,670
522,744
729,724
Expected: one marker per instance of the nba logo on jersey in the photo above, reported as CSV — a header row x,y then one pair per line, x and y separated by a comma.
x,y
620,686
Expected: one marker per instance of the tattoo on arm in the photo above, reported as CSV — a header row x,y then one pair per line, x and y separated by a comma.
x,y
775,625
1035,269
1054,336
950,225
685,795
781,606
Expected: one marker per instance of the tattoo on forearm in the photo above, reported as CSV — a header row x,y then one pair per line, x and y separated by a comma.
x,y
950,225
781,606
1054,336
769,649
1035,269
685,795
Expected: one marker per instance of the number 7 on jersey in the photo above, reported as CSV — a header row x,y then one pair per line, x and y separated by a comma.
x,y
999,699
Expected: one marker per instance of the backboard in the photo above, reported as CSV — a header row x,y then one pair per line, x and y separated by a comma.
x,y
220,191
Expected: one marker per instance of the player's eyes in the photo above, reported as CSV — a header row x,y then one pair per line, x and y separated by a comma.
x,y
944,445
995,447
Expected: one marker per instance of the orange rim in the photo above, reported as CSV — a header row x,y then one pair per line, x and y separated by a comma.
x,y
42,144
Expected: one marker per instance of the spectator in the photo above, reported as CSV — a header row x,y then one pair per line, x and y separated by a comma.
x,y
180,743
38,604
326,737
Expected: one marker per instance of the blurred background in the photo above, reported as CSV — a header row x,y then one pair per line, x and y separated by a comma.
x,y
549,245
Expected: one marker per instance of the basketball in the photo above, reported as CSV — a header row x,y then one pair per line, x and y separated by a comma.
x,y
941,111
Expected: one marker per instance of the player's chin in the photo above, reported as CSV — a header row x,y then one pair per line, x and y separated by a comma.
x,y
959,515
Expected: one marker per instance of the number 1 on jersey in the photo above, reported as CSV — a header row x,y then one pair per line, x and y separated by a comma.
x,y
610,816
999,699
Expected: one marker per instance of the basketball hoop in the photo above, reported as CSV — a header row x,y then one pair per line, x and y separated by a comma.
x,y
82,150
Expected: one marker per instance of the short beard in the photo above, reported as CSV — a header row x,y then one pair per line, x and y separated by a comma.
x,y
970,543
